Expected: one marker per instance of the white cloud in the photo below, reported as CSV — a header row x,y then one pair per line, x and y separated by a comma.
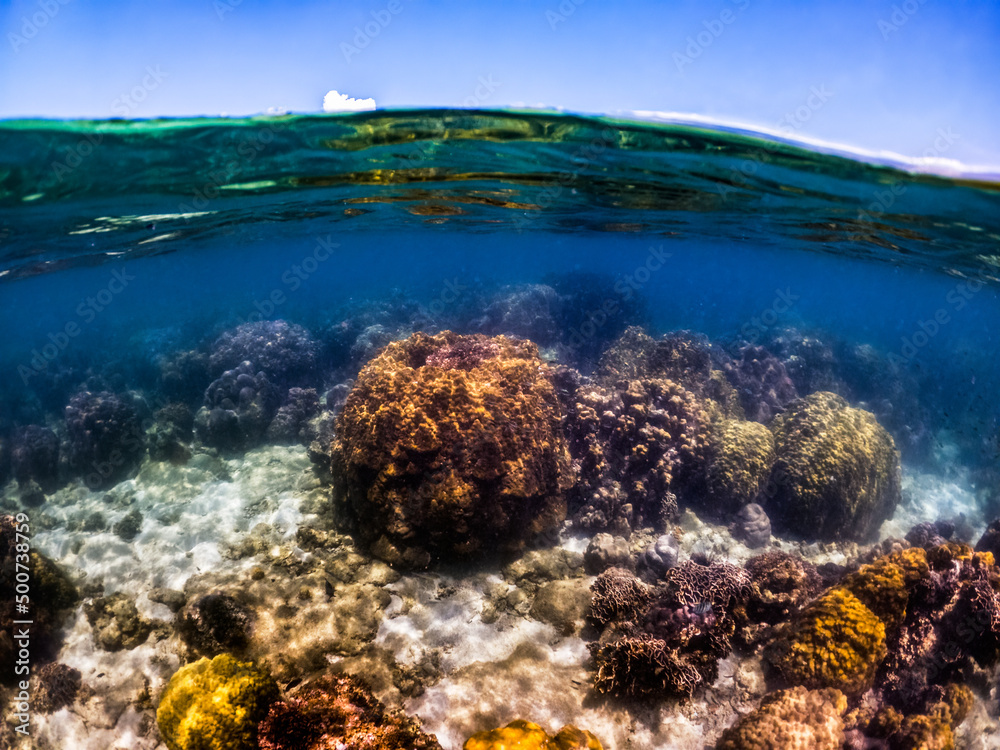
x,y
334,101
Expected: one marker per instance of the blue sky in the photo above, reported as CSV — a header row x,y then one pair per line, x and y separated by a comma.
x,y
890,75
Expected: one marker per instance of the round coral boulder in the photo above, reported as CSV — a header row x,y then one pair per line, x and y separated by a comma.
x,y
836,475
526,735
796,719
215,705
449,447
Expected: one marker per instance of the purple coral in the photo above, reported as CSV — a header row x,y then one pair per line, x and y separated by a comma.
x,y
239,406
286,353
105,438
291,423
761,381
34,456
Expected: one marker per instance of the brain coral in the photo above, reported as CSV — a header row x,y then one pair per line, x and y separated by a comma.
x,y
796,719
837,471
450,446
215,705
739,464
524,735
836,642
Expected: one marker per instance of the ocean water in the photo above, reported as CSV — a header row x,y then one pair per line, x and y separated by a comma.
x,y
127,249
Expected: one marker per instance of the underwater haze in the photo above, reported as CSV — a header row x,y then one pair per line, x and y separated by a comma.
x,y
458,418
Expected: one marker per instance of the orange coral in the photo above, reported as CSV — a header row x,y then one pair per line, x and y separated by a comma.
x,y
450,446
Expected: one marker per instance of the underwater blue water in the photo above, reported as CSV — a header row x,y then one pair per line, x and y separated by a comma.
x,y
128,248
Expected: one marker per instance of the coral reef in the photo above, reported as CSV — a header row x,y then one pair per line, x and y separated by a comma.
x,y
794,719
883,585
836,475
58,686
661,555
170,435
116,622
525,735
951,623
291,423
215,623
752,526
105,439
339,712
51,594
450,446
990,540
782,585
34,456
183,376
286,353
607,551
528,311
634,442
666,641
740,459
239,406
592,312
215,705
834,642
618,597
761,381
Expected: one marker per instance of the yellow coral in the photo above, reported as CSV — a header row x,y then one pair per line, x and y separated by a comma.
x,y
837,471
883,585
740,461
215,705
837,642
524,735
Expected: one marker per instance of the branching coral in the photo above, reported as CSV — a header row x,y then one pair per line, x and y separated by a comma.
x,y
837,471
215,705
450,446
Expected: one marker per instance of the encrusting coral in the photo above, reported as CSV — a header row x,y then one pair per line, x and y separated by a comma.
x,y
215,705
451,446
339,712
795,719
525,735
836,474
